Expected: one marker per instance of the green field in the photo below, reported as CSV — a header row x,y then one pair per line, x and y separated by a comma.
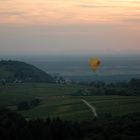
x,y
10,95
56,101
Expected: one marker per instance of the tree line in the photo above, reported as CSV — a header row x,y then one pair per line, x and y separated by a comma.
x,y
130,88
14,127
26,105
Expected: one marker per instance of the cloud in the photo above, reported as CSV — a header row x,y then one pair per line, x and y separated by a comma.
x,y
11,13
132,20
93,6
5,0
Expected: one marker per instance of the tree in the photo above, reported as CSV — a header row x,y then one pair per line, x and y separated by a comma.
x,y
35,102
23,106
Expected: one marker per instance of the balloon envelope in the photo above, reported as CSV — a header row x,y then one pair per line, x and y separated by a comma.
x,y
94,63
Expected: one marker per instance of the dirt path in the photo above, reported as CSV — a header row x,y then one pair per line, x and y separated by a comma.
x,y
91,107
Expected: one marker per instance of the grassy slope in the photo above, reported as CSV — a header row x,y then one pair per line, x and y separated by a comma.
x,y
10,95
74,108
57,102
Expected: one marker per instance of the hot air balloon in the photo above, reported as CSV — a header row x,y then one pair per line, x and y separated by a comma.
x,y
94,63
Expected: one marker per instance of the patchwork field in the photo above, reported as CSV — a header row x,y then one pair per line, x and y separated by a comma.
x,y
13,94
56,101
73,108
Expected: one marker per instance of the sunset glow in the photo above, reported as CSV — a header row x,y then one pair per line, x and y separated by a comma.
x,y
54,12
69,26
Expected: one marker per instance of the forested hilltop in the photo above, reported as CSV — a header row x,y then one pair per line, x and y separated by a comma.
x,y
16,71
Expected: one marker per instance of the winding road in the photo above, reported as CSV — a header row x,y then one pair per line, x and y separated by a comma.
x,y
91,107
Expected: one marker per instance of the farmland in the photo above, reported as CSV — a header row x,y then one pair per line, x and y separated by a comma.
x,y
56,101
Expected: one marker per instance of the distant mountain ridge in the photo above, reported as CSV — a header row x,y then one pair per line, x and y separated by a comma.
x,y
17,71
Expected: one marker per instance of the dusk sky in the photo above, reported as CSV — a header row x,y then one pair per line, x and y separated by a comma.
x,y
69,27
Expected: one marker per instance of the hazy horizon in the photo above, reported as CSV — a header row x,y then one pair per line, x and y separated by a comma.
x,y
68,57
113,68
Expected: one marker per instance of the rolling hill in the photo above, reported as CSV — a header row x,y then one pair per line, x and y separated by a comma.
x,y
16,71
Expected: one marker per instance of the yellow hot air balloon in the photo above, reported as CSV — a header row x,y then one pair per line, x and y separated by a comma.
x,y
94,63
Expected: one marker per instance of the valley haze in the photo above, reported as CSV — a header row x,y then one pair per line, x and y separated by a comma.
x,y
113,68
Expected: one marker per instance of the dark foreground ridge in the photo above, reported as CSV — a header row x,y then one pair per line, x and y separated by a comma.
x,y
14,127
16,71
